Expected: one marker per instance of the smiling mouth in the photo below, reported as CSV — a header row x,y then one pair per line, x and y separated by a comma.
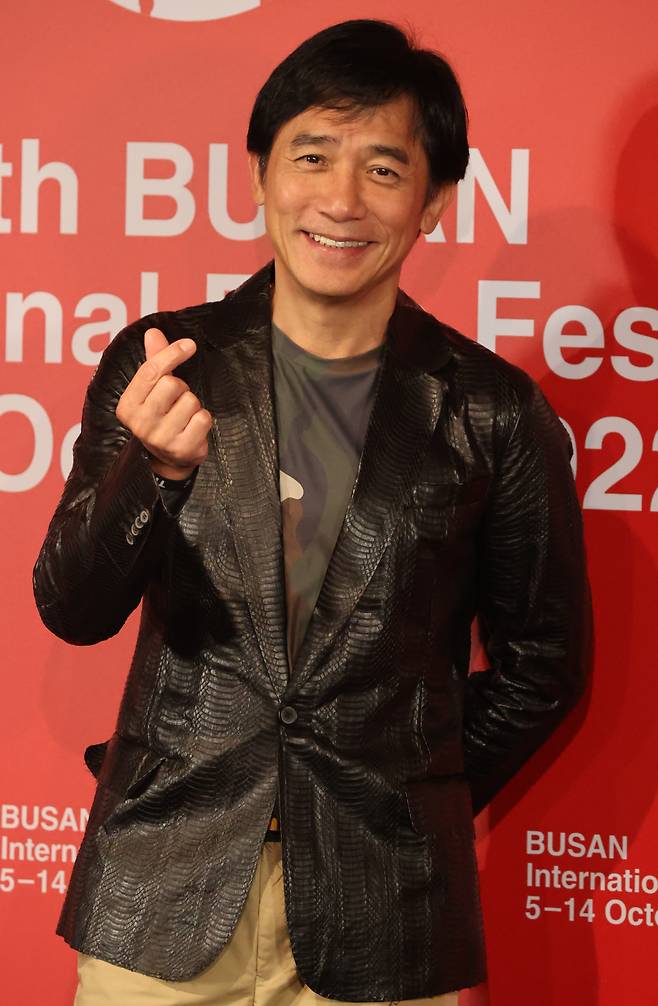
x,y
328,242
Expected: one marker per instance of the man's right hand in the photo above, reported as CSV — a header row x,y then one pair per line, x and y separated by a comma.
x,y
162,412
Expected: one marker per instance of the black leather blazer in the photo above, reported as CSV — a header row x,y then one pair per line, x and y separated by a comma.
x,y
464,504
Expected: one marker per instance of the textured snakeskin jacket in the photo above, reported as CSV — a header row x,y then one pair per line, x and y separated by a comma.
x,y
378,743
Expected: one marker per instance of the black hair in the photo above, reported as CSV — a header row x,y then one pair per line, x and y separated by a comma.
x,y
358,65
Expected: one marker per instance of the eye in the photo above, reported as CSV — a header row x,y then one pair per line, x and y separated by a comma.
x,y
310,159
383,172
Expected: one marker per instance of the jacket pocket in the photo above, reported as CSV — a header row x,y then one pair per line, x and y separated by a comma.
x,y
449,493
444,510
123,766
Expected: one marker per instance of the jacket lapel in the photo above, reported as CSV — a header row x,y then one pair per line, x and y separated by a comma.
x,y
404,415
238,392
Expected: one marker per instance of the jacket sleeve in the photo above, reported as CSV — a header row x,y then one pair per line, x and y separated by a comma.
x,y
534,601
109,528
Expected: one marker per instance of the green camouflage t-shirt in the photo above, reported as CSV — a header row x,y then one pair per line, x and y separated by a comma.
x,y
322,412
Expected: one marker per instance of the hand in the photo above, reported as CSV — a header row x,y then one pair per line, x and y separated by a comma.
x,y
162,412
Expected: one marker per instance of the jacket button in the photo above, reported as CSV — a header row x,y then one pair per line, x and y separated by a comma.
x,y
287,714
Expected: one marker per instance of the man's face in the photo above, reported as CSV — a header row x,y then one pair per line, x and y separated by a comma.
x,y
345,198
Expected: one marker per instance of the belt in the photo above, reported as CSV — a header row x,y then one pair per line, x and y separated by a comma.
x,y
273,833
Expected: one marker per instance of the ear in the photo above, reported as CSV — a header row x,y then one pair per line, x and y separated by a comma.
x,y
437,206
257,187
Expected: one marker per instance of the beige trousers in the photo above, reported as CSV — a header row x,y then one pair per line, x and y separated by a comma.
x,y
255,968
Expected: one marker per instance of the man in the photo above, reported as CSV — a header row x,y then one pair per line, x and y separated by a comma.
x,y
313,509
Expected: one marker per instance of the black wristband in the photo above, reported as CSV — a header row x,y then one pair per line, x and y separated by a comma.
x,y
175,484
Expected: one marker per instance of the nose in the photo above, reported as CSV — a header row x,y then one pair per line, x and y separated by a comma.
x,y
342,198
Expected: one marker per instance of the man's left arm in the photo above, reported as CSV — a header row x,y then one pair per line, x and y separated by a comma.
x,y
534,601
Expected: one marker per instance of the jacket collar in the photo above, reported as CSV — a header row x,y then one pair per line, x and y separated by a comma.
x,y
417,340
238,391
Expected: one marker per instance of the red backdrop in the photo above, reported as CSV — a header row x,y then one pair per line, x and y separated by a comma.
x,y
123,187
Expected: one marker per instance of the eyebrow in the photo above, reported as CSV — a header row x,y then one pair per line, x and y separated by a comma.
x,y
311,139
382,149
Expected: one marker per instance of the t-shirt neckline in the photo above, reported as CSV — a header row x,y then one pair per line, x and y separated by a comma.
x,y
283,345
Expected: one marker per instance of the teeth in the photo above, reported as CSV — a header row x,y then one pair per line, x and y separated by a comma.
x,y
321,240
